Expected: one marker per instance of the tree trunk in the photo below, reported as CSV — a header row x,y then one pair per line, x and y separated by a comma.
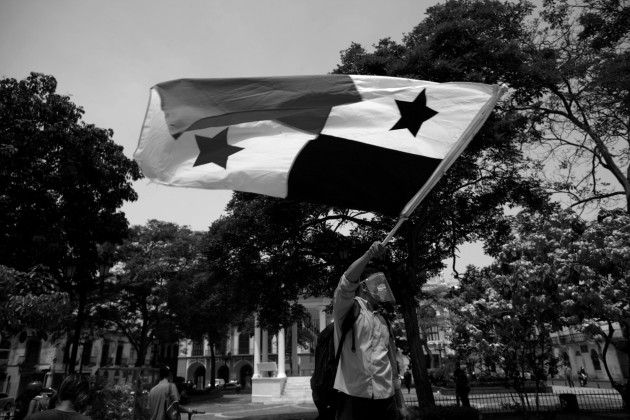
x,y
141,350
622,389
213,364
424,390
77,330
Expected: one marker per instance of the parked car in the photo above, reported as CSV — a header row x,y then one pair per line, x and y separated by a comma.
x,y
6,402
231,386
218,383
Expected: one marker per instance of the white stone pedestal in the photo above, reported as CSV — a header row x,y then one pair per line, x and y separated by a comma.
x,y
263,389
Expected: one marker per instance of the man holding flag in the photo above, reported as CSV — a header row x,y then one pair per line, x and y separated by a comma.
x,y
367,376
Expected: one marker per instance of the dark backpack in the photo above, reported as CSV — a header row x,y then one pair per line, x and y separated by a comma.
x,y
326,362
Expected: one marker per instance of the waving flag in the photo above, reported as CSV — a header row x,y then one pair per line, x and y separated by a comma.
x,y
360,142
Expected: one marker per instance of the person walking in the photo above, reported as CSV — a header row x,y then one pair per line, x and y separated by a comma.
x,y
407,379
367,376
582,376
72,397
163,395
461,387
568,374
27,403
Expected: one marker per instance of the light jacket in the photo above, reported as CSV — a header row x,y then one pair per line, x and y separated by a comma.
x,y
367,372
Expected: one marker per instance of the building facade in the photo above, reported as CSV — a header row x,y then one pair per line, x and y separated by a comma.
x,y
28,357
235,357
576,350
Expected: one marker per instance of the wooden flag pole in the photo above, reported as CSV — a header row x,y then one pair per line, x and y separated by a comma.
x,y
391,234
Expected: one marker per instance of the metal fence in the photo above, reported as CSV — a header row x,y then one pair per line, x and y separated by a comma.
x,y
582,399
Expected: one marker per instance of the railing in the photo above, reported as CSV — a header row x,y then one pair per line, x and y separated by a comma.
x,y
587,399
572,337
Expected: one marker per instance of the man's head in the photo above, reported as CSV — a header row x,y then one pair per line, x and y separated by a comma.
x,y
75,389
375,289
165,372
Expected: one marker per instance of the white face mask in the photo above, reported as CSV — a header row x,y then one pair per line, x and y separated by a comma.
x,y
376,285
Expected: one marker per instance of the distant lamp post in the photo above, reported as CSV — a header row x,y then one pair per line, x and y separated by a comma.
x,y
440,347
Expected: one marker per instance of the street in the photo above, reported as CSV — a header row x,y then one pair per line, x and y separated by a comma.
x,y
239,406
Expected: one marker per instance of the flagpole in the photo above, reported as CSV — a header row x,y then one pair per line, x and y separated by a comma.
x,y
391,234
446,163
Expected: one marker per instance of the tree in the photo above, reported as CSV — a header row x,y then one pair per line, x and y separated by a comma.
x,y
277,251
207,307
474,41
580,61
54,164
560,271
64,181
151,264
506,313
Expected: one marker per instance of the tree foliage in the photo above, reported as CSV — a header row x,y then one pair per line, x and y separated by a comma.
x,y
557,271
151,264
579,60
27,301
63,180
471,41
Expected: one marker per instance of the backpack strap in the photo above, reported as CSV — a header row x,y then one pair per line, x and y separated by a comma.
x,y
347,325
391,348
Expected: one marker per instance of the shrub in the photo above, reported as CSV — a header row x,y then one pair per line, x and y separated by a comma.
x,y
116,402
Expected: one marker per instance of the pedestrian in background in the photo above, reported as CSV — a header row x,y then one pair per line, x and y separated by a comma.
x,y
163,395
72,397
461,386
568,374
27,403
407,379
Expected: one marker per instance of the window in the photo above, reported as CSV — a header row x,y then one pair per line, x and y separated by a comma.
x,y
595,360
105,354
119,352
197,349
243,344
430,332
87,353
5,349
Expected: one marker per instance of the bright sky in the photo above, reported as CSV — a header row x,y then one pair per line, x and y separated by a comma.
x,y
107,54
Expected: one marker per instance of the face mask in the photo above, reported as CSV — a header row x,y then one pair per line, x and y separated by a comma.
x,y
376,285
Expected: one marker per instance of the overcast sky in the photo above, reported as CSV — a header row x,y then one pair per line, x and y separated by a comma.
x,y
107,54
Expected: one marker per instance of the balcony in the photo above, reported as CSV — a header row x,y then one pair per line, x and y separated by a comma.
x,y
569,338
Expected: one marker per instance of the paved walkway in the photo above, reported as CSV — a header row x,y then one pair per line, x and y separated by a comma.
x,y
239,406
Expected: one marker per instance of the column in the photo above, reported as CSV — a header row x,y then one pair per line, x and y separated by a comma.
x,y
322,319
282,373
265,348
256,347
294,350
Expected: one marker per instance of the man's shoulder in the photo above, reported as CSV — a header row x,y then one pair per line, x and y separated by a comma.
x,y
159,387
